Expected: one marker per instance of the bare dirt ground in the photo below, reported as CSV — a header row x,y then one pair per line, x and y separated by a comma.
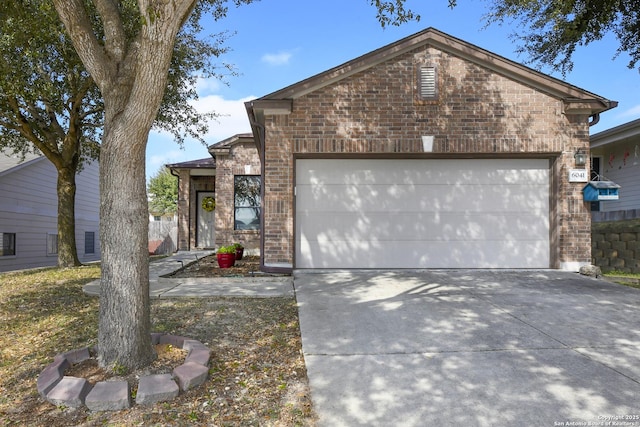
x,y
257,375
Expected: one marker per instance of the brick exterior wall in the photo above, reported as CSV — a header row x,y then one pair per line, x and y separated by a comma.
x,y
477,113
242,159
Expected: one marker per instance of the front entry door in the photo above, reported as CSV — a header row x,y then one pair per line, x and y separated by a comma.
x,y
206,233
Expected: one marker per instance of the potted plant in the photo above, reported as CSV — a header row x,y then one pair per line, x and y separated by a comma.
x,y
226,256
239,251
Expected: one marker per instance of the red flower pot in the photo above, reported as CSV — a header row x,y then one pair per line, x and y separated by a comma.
x,y
226,260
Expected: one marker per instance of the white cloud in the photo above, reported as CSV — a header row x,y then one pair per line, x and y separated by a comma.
x,y
207,86
162,148
233,116
155,161
631,112
281,58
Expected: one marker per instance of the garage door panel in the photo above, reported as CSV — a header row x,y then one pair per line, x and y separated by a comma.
x,y
367,254
458,213
402,198
446,172
424,226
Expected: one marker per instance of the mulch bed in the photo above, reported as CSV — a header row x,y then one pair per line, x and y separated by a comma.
x,y
248,266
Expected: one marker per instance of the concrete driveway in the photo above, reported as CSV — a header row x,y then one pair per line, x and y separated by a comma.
x,y
470,347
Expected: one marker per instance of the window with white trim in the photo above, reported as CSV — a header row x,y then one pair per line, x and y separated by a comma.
x,y
8,247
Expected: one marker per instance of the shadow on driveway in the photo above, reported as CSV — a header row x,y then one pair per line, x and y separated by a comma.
x,y
470,347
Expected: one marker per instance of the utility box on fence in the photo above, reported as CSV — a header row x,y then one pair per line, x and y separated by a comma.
x,y
595,191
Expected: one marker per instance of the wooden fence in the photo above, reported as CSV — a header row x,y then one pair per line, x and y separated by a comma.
x,y
163,237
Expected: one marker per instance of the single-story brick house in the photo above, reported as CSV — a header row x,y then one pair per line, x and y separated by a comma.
x,y
426,153
231,179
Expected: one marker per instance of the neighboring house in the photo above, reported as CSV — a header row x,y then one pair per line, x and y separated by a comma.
x,y
29,213
231,179
427,153
615,156
162,217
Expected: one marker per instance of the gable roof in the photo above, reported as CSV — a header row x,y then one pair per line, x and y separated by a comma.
x,y
223,147
576,100
11,162
630,130
446,43
208,163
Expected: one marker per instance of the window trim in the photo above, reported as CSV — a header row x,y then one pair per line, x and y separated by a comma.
x,y
93,242
12,245
50,241
258,207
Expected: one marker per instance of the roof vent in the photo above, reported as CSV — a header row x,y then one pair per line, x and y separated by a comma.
x,y
428,84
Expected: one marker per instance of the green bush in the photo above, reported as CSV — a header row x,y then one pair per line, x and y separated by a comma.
x,y
227,249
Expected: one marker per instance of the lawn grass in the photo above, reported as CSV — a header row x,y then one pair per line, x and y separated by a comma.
x,y
257,374
43,312
628,279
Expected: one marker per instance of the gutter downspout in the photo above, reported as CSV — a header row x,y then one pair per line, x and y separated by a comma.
x,y
594,119
172,172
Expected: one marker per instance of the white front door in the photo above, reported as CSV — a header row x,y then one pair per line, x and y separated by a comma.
x,y
206,232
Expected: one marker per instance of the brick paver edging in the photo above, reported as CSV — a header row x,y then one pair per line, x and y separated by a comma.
x,y
74,392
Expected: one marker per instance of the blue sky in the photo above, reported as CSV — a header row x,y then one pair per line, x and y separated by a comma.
x,y
279,42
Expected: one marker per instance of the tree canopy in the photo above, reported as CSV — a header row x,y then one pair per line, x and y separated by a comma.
x,y
163,192
50,103
550,31
553,30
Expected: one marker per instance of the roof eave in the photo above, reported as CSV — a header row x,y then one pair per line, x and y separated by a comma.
x,y
619,133
510,69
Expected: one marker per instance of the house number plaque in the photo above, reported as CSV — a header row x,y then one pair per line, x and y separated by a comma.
x,y
578,175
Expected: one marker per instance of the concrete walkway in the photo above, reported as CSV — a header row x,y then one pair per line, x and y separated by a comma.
x,y
166,287
472,348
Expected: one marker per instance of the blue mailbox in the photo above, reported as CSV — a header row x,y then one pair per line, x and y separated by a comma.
x,y
595,191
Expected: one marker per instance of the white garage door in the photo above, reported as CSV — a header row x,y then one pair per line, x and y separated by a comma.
x,y
462,213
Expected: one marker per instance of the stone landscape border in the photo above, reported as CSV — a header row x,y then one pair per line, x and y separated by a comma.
x,y
115,395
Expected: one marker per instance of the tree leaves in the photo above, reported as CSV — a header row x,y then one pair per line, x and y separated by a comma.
x,y
554,29
163,192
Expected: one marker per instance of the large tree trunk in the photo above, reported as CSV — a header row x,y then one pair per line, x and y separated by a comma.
x,y
67,250
124,330
132,77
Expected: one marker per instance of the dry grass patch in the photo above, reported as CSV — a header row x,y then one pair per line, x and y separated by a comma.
x,y
257,373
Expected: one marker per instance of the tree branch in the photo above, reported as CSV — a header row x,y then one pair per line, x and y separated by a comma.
x,y
76,20
27,131
114,34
